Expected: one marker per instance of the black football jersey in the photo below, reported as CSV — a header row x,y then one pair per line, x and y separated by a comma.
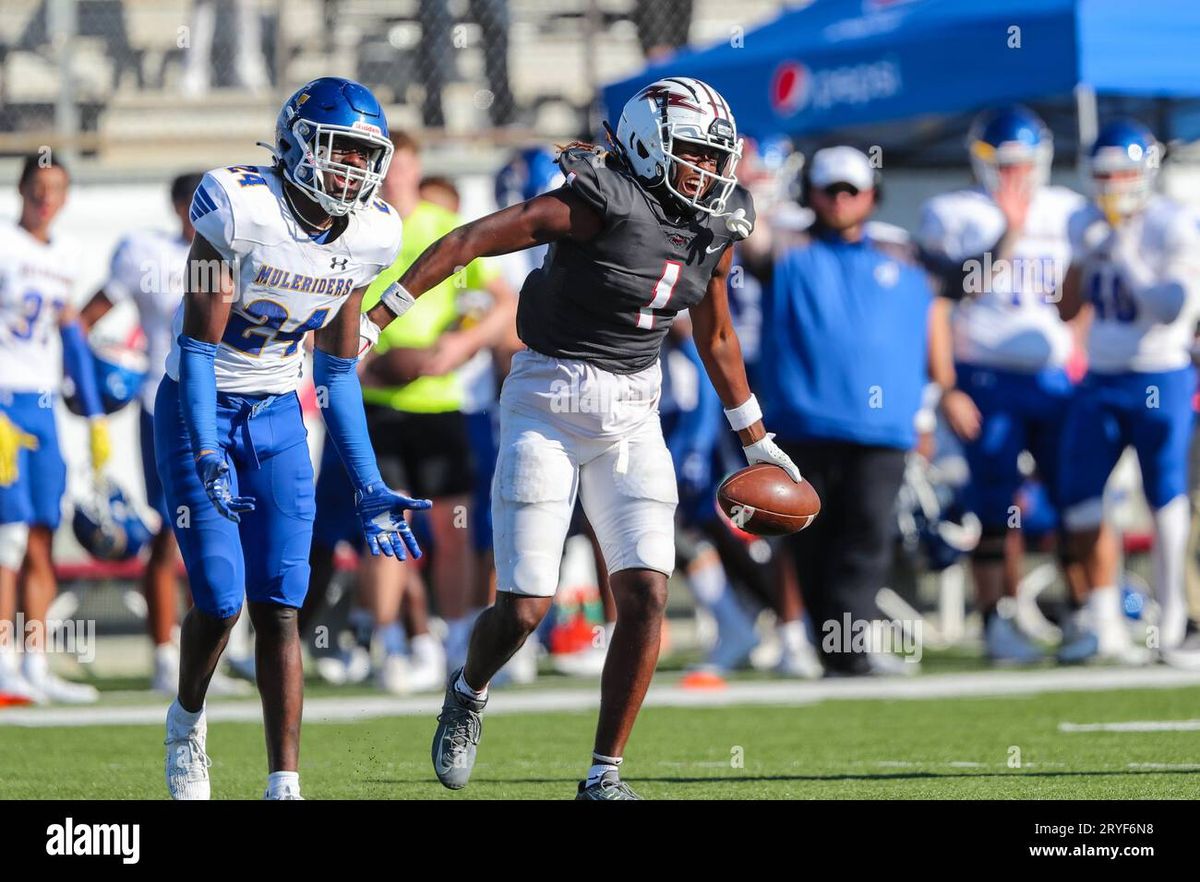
x,y
610,301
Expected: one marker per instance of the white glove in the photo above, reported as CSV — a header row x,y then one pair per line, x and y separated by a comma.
x,y
766,450
368,334
738,224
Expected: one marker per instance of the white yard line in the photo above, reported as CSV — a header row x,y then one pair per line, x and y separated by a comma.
x,y
776,692
1134,726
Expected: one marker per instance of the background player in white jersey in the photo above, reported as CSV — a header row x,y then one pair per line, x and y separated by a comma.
x,y
37,278
279,251
147,270
1001,250
1137,265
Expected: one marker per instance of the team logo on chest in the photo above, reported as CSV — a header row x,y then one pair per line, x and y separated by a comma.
x,y
283,280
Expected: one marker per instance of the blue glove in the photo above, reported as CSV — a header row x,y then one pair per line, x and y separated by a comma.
x,y
214,474
381,512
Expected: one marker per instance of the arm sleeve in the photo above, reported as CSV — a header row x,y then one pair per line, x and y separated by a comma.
x,y
198,392
81,368
344,416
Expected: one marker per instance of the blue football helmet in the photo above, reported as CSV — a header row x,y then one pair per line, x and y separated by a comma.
x,y
107,526
1009,136
1121,165
528,173
932,520
326,109
121,372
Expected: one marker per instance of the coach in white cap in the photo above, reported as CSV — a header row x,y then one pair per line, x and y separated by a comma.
x,y
844,370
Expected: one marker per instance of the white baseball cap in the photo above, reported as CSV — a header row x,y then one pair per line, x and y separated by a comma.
x,y
841,165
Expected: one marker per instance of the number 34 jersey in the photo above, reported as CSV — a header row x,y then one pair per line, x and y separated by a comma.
x,y
286,282
36,283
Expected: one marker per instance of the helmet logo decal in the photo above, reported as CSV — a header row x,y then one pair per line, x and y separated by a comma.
x,y
666,98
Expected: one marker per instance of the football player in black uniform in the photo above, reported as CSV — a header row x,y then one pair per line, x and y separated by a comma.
x,y
636,236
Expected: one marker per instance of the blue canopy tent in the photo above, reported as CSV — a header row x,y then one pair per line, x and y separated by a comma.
x,y
838,64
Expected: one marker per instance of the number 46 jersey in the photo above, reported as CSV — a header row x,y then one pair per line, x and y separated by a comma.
x,y
287,283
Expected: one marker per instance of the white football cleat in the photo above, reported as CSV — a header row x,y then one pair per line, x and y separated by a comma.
x,y
287,791
393,675
49,688
801,662
187,763
427,664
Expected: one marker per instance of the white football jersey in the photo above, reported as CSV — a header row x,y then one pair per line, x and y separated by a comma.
x,y
1011,322
148,269
1159,244
37,281
287,283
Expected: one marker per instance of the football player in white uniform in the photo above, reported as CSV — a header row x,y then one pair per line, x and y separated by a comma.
x,y
147,270
37,278
1137,264
1001,250
279,251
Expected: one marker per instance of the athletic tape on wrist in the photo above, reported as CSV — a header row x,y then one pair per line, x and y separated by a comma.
x,y
744,415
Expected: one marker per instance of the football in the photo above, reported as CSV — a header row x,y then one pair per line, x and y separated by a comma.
x,y
763,500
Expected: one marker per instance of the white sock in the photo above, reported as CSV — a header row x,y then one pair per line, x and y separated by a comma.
x,y
279,782
708,582
34,666
793,636
8,659
391,637
181,721
600,765
426,649
1104,606
464,688
1171,523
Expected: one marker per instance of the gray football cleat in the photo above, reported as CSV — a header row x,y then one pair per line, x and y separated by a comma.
x,y
457,736
610,786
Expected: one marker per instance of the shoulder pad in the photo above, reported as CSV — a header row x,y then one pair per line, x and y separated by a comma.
x,y
590,174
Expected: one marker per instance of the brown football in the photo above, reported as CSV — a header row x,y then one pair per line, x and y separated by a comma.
x,y
763,500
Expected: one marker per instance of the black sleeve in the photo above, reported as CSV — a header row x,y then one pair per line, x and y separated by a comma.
x,y
609,191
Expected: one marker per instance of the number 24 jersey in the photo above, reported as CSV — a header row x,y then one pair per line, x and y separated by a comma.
x,y
286,282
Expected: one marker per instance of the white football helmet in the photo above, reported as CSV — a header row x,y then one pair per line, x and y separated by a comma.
x,y
681,109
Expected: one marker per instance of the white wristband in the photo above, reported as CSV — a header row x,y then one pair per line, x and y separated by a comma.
x,y
396,298
744,415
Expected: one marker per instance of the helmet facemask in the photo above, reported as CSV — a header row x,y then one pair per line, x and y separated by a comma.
x,y
1120,197
987,160
715,187
315,171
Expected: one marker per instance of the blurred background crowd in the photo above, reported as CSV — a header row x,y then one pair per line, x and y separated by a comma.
x,y
135,92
